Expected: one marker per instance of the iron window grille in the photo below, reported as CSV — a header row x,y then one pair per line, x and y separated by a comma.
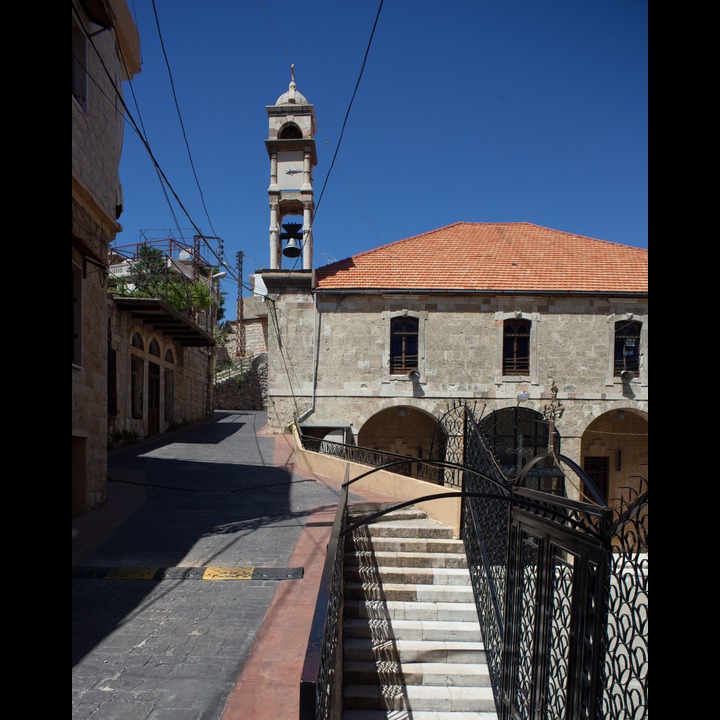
x,y
627,347
516,347
403,345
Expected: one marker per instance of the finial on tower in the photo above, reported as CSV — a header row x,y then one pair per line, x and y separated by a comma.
x,y
292,72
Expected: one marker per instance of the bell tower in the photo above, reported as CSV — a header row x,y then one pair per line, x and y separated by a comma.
x,y
291,147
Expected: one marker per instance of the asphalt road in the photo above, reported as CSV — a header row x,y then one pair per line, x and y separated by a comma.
x,y
174,574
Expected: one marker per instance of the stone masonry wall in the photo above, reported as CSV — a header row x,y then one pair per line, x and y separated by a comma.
x,y
96,146
460,349
191,370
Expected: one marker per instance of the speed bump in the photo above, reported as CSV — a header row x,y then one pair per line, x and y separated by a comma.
x,y
211,572
227,573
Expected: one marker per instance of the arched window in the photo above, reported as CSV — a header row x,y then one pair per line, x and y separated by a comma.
x,y
290,132
137,377
516,347
137,381
403,345
154,348
627,347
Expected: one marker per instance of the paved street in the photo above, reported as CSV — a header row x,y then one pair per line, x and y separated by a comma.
x,y
174,575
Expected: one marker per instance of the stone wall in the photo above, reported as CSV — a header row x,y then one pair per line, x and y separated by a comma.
x,y
460,359
247,393
97,128
185,378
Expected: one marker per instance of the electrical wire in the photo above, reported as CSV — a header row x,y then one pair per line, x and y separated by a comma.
x,y
128,116
347,113
182,125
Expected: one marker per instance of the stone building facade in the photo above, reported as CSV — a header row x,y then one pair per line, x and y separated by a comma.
x,y
246,337
101,62
331,369
155,382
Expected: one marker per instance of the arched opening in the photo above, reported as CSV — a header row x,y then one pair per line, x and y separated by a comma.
x,y
402,430
169,378
290,132
614,451
516,435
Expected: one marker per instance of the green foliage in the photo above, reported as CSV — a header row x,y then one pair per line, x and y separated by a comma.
x,y
120,437
151,278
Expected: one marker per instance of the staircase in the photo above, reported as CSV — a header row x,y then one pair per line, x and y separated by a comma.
x,y
412,648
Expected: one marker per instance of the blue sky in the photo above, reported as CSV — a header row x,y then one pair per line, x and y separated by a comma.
x,y
465,110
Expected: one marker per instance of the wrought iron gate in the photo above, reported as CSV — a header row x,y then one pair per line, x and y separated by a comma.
x,y
560,587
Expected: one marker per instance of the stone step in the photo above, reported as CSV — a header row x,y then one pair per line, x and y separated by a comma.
x,y
408,592
406,544
398,558
412,630
418,715
410,575
435,651
357,511
416,528
418,697
412,645
357,672
418,610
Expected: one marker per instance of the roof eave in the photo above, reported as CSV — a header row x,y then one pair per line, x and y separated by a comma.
x,y
468,291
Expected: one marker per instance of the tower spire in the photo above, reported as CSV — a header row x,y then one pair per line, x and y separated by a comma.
x,y
291,148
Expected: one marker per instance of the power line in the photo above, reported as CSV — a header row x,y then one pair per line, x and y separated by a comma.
x,y
128,116
347,114
182,125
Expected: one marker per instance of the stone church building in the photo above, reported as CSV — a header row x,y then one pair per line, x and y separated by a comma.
x,y
534,328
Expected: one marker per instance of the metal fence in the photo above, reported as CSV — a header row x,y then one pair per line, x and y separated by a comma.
x,y
560,586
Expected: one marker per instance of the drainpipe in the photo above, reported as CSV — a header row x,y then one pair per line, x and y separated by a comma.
x,y
311,410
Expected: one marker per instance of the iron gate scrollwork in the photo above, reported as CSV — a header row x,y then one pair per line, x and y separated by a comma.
x,y
560,585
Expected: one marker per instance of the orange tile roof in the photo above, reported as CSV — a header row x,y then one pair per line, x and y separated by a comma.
x,y
493,257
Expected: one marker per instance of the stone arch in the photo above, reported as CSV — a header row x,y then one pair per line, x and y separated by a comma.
x,y
400,429
614,452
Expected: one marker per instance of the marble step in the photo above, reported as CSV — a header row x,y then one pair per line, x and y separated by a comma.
x,y
417,610
418,697
408,575
408,592
399,558
435,651
412,630
356,672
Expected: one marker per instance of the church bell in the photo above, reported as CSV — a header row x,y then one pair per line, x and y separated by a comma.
x,y
292,249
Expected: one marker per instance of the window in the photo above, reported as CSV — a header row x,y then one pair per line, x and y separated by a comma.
x,y
79,64
112,381
403,345
627,346
76,315
169,386
598,470
169,394
290,132
137,367
516,347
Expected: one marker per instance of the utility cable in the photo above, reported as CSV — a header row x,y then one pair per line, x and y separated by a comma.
x,y
347,114
182,125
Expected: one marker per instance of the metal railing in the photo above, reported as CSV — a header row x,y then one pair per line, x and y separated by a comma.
x,y
405,465
560,586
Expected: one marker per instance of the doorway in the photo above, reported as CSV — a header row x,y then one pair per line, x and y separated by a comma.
x,y
153,398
